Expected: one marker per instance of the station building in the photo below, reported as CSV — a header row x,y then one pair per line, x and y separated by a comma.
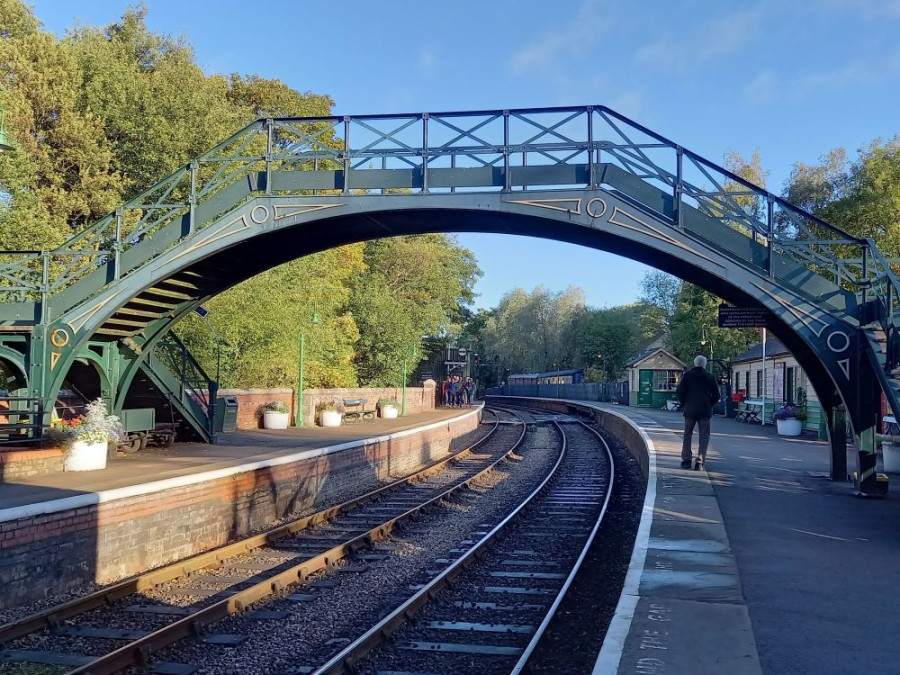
x,y
781,381
652,377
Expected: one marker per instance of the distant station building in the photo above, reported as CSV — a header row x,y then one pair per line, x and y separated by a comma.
x,y
573,376
652,377
784,380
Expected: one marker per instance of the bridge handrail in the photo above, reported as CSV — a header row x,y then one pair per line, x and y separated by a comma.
x,y
193,380
295,140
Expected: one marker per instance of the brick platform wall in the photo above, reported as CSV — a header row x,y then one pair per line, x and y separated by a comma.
x,y
18,463
54,546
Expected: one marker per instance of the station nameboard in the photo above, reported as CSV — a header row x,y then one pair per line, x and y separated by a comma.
x,y
743,317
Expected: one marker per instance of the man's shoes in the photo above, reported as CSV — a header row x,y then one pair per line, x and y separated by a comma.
x,y
698,465
686,464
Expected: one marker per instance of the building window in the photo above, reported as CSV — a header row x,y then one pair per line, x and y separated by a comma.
x,y
759,384
790,384
665,380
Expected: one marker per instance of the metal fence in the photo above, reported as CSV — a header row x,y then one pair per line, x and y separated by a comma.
x,y
605,392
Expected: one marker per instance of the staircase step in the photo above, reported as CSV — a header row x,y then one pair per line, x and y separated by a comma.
x,y
166,293
179,283
115,332
124,322
158,304
132,311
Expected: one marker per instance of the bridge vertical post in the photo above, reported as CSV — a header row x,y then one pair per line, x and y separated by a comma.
x,y
425,153
346,188
679,186
592,168
117,245
865,272
770,235
837,431
268,157
507,179
192,199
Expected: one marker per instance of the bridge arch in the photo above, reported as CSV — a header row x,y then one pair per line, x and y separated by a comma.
x,y
280,189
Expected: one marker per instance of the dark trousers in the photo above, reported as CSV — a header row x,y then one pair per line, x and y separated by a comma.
x,y
703,430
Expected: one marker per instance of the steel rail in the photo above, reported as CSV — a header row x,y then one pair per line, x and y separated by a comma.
x,y
214,558
344,663
139,652
536,638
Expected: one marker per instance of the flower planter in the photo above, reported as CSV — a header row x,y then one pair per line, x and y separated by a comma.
x,y
330,418
86,456
789,427
389,412
890,454
276,420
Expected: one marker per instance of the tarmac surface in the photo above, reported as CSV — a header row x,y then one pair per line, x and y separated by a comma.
x,y
758,564
232,449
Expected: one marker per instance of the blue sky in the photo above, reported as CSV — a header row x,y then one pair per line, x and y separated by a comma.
x,y
789,79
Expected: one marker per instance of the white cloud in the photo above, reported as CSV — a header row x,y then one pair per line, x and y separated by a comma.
x,y
566,38
869,9
707,41
763,88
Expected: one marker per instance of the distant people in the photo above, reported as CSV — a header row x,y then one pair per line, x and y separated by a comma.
x,y
698,393
444,400
452,391
470,391
460,391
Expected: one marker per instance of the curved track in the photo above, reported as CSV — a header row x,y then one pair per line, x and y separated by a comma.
x,y
489,609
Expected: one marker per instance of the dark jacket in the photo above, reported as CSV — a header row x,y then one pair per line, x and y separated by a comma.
x,y
698,393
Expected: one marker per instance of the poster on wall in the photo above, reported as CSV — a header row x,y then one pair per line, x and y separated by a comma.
x,y
778,393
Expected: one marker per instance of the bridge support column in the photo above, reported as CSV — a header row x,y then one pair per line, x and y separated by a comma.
x,y
837,434
865,420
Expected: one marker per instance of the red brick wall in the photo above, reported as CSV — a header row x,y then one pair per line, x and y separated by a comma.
x,y
418,399
24,462
122,536
251,400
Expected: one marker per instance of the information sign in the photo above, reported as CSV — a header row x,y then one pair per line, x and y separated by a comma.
x,y
743,317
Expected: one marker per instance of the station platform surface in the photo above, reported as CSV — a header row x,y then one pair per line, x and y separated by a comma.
x,y
231,449
759,564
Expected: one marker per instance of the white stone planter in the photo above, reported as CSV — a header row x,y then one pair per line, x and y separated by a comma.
x,y
890,454
330,418
86,457
389,412
275,420
789,427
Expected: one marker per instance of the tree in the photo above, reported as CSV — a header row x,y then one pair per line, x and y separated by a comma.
x,y
659,293
412,287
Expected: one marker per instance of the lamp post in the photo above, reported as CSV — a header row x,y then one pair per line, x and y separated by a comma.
x,y
403,401
298,418
704,340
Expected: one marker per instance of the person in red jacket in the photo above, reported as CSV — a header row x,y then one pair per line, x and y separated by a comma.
x,y
698,393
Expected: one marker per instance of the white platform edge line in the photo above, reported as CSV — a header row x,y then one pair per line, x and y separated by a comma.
x,y
617,633
93,498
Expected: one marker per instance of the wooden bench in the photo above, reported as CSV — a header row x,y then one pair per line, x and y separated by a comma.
x,y
359,412
749,412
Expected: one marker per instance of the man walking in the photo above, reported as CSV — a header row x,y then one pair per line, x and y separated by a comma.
x,y
698,393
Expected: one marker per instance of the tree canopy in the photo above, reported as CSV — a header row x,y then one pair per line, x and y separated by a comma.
x,y
103,113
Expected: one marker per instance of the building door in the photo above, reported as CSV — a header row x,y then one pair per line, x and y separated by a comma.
x,y
645,388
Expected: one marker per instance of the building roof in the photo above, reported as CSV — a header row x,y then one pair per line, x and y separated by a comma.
x,y
552,373
774,347
650,351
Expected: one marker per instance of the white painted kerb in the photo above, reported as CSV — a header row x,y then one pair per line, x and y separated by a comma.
x,y
91,498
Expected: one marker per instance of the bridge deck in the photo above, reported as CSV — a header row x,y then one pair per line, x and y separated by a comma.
x,y
760,564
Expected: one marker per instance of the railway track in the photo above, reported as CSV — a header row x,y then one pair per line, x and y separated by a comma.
x,y
489,608
123,625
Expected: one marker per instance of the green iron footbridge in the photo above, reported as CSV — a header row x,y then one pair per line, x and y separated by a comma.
x,y
96,313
